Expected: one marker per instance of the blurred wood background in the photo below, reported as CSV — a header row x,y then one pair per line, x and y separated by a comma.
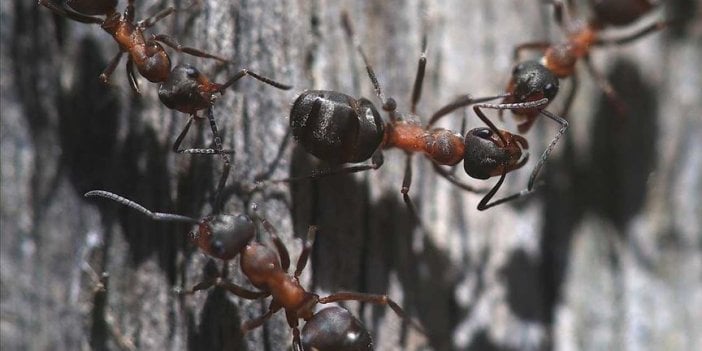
x,y
607,256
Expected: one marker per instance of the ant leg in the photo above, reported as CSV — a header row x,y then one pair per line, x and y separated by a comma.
x,y
406,183
188,50
176,145
246,72
282,250
243,292
375,299
153,19
389,104
157,216
71,14
257,322
538,46
450,176
297,343
105,75
460,102
484,205
130,11
419,79
276,161
376,161
547,152
653,27
132,77
607,88
305,254
225,158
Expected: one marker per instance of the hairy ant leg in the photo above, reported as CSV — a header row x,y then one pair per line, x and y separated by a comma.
x,y
153,19
170,41
105,75
419,78
67,12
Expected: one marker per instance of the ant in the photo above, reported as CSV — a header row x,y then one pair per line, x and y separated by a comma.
x,y
341,129
559,58
150,58
188,90
226,236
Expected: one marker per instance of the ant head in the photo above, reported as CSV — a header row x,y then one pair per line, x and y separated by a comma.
x,y
186,90
488,154
224,236
92,7
336,127
335,328
620,12
258,263
532,81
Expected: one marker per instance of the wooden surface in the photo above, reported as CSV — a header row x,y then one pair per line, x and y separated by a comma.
x,y
606,256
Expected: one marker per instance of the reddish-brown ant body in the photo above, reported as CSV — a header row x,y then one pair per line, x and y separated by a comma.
x,y
147,54
559,58
339,129
225,236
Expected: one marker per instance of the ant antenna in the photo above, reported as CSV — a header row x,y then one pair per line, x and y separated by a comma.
x,y
419,79
158,216
389,104
245,72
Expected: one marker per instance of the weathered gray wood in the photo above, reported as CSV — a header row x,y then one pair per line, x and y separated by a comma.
x,y
606,256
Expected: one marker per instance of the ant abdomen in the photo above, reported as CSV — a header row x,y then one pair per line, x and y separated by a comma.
x,y
488,155
92,7
335,329
336,127
224,236
620,12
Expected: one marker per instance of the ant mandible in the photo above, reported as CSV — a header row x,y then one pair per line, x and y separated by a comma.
x,y
559,58
147,55
340,129
225,236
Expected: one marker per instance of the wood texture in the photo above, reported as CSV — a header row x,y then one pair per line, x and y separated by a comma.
x,y
606,256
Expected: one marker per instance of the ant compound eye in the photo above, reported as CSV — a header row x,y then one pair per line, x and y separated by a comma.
x,y
192,72
550,90
518,68
483,133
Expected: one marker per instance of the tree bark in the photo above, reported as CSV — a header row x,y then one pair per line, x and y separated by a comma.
x,y
606,255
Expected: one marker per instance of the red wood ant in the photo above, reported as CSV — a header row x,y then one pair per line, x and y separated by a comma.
x,y
560,58
188,90
340,129
225,236
147,55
